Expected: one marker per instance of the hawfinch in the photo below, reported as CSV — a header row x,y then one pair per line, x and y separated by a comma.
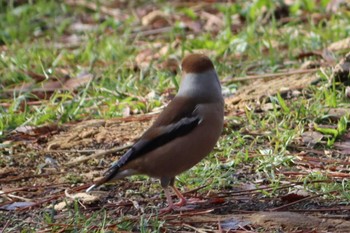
x,y
183,134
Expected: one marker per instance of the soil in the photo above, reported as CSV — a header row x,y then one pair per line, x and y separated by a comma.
x,y
44,168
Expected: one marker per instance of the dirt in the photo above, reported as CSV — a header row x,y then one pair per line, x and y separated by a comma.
x,y
44,169
286,85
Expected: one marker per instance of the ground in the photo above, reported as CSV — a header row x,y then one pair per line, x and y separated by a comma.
x,y
97,75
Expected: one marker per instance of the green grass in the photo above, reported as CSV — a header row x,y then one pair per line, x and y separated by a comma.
x,y
32,38
31,46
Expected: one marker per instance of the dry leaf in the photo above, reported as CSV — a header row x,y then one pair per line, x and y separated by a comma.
x,y
333,6
344,145
156,19
295,196
233,224
171,64
16,205
311,138
80,80
83,27
214,23
328,56
286,219
340,45
342,70
84,198
347,92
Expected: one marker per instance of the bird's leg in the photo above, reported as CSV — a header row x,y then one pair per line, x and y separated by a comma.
x,y
171,205
182,200
164,181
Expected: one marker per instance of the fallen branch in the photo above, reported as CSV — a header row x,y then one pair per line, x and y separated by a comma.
x,y
151,32
95,7
295,202
54,197
272,75
97,155
257,190
323,160
328,174
26,177
340,208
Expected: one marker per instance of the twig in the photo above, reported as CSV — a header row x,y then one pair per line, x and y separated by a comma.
x,y
323,160
295,202
29,103
29,188
94,7
6,225
272,75
329,174
17,197
342,208
196,189
256,190
151,32
26,177
193,228
188,213
72,151
54,197
97,155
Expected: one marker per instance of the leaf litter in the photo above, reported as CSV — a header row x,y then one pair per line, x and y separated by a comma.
x,y
88,135
77,143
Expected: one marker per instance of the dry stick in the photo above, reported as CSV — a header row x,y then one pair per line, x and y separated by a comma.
x,y
93,6
97,155
39,89
54,197
256,190
40,202
28,188
151,32
12,179
187,192
324,160
193,228
19,198
329,174
71,151
6,225
273,75
189,213
30,103
195,190
108,11
324,209
298,201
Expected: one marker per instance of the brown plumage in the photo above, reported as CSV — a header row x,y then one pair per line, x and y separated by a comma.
x,y
183,134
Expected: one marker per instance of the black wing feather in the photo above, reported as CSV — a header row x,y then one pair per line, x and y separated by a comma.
x,y
178,129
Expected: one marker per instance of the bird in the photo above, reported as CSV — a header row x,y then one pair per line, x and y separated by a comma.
x,y
184,133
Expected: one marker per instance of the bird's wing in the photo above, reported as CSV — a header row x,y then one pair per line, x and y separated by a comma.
x,y
162,135
164,130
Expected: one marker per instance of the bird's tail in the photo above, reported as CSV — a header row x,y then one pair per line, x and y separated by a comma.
x,y
109,175
98,183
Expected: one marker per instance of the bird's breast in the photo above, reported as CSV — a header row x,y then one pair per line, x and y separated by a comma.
x,y
184,152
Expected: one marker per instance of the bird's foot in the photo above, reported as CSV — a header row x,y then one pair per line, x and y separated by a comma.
x,y
194,201
180,203
169,209
177,207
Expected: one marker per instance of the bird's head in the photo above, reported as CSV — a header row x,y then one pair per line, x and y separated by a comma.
x,y
199,78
